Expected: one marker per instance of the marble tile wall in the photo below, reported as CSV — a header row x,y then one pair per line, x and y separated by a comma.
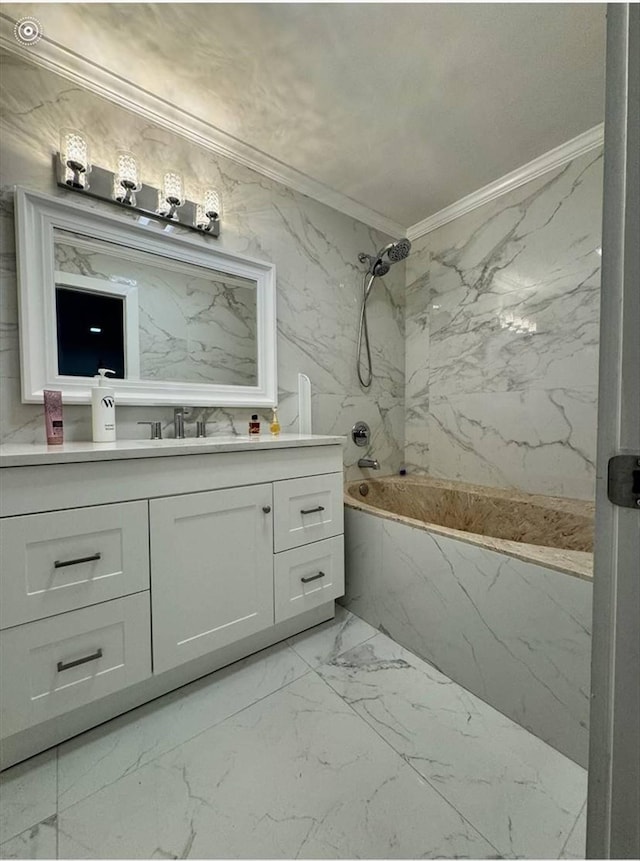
x,y
502,316
315,250
515,634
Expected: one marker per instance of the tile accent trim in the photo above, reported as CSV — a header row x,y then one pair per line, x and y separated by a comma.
x,y
550,160
53,57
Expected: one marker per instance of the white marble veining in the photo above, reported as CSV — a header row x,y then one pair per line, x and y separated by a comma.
x,y
133,739
517,791
32,454
575,847
27,794
514,633
39,841
279,757
502,317
297,775
315,250
324,642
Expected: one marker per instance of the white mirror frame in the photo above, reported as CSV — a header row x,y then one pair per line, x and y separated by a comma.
x,y
38,216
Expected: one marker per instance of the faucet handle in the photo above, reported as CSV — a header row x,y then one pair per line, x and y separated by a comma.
x,y
201,428
155,428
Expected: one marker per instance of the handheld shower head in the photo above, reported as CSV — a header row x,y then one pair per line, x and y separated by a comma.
x,y
393,252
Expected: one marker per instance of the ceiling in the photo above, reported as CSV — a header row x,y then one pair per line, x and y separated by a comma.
x,y
405,108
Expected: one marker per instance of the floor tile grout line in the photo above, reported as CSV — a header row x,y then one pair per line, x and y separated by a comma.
x,y
573,828
401,757
191,738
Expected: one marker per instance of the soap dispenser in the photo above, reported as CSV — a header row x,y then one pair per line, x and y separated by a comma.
x,y
103,408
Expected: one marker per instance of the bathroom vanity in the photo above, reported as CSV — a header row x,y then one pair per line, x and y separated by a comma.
x,y
131,568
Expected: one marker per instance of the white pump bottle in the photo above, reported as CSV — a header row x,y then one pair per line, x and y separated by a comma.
x,y
103,408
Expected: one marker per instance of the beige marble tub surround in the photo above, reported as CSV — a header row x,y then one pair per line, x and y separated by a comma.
x,y
546,530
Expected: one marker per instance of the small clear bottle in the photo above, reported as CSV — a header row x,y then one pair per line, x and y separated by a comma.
x,y
274,427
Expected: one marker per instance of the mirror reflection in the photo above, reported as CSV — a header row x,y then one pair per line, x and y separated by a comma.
x,y
151,318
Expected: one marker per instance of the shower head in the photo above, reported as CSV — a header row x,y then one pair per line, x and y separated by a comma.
x,y
397,250
393,252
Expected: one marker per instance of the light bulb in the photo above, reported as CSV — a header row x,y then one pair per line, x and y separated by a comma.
x,y
74,155
209,209
171,194
173,188
126,180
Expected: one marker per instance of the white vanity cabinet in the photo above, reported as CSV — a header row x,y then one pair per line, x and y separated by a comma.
x,y
130,569
212,560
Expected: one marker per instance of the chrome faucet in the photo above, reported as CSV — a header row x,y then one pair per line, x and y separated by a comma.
x,y
178,422
368,463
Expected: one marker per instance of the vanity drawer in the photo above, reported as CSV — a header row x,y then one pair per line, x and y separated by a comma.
x,y
307,509
308,576
55,665
63,560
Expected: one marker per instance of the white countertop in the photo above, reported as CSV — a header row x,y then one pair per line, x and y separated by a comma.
x,y
36,454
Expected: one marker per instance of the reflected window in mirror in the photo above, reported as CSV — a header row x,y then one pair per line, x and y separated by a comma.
x,y
90,330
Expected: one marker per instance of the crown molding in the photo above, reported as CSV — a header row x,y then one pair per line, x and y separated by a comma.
x,y
556,157
49,55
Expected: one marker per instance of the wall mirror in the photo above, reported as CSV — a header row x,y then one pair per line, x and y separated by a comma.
x,y
176,318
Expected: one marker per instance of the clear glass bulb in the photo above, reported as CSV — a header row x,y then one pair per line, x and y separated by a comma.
x,y
74,155
209,208
127,170
173,188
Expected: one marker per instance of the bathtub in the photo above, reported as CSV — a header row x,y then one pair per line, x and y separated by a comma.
x,y
492,587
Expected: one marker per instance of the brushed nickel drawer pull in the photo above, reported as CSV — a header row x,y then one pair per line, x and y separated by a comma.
x,y
78,561
311,510
315,577
94,657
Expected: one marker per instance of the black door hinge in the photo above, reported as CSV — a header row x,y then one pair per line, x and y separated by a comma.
x,y
623,485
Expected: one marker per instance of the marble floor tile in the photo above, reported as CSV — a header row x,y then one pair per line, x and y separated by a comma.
x,y
521,794
27,794
39,841
101,756
298,774
575,847
330,639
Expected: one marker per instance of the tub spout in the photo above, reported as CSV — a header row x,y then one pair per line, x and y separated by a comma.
x,y
368,463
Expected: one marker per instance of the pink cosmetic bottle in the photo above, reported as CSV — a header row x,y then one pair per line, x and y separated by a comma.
x,y
53,417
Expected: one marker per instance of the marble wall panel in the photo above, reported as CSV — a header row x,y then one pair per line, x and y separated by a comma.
x,y
314,247
502,332
515,634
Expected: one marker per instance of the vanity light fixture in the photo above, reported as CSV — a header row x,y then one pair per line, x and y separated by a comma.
x,y
208,211
123,186
126,180
74,157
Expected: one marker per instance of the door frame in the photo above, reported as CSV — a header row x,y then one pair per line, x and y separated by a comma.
x,y
613,824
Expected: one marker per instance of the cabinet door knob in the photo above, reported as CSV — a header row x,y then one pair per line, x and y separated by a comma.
x,y
266,509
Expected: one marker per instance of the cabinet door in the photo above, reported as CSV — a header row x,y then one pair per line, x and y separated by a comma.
x,y
211,571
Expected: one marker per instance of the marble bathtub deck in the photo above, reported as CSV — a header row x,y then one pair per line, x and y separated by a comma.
x,y
338,743
573,562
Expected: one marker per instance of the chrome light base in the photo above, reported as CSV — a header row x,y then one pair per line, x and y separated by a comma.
x,y
143,201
